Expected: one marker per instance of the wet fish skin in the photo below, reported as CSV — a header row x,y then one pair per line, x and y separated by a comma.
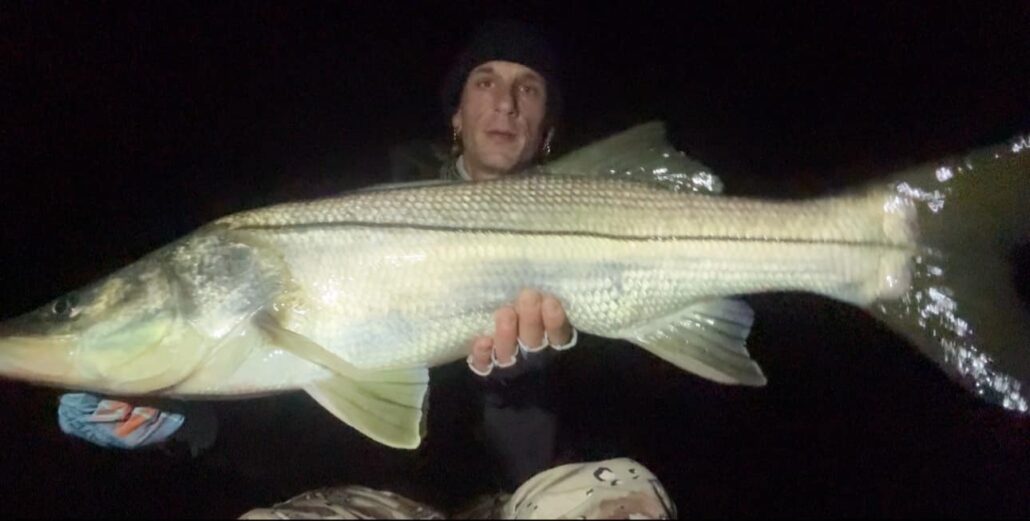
x,y
352,298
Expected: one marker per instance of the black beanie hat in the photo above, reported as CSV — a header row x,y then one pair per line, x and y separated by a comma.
x,y
504,40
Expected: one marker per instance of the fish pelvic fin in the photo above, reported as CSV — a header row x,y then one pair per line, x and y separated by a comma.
x,y
642,153
386,406
958,301
707,339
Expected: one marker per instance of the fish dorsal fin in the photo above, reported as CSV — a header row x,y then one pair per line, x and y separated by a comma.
x,y
387,406
642,153
707,338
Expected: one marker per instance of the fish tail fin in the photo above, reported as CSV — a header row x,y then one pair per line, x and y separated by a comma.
x,y
960,305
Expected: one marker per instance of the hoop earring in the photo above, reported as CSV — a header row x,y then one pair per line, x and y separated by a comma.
x,y
455,143
547,142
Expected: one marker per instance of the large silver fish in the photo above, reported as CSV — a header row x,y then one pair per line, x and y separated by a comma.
x,y
352,298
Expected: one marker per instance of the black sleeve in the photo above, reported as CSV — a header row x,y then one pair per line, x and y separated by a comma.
x,y
519,426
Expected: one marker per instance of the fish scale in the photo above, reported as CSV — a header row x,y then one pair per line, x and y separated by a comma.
x,y
552,203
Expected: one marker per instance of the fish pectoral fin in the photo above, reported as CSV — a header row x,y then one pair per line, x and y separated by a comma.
x,y
301,345
707,339
385,405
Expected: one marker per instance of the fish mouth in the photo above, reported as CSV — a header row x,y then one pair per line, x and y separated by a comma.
x,y
43,359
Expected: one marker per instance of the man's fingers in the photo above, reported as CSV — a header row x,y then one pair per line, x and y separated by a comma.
x,y
559,330
505,332
530,319
527,320
482,348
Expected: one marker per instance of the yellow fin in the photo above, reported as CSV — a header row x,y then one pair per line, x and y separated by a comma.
x,y
642,153
707,339
390,413
387,406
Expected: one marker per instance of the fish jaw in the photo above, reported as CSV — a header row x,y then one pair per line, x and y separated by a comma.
x,y
142,358
47,360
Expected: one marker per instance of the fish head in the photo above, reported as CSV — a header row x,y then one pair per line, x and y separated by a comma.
x,y
120,334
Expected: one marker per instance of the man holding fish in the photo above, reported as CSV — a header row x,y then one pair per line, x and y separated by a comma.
x,y
503,100
353,298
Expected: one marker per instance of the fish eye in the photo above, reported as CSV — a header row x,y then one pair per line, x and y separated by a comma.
x,y
65,306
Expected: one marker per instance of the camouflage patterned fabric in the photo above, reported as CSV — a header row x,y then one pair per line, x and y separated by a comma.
x,y
612,489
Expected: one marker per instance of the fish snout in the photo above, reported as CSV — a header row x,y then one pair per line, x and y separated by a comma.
x,y
44,359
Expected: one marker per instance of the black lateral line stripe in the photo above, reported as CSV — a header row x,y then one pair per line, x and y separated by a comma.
x,y
557,233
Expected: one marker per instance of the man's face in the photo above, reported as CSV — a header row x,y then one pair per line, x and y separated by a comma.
x,y
500,118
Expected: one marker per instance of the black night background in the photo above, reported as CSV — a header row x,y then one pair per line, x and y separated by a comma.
x,y
126,125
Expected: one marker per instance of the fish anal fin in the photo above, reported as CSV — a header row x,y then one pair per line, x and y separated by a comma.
x,y
706,338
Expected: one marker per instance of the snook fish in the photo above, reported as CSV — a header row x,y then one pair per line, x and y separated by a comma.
x,y
352,298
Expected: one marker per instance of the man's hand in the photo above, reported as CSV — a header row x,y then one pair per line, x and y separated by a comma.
x,y
517,424
537,321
